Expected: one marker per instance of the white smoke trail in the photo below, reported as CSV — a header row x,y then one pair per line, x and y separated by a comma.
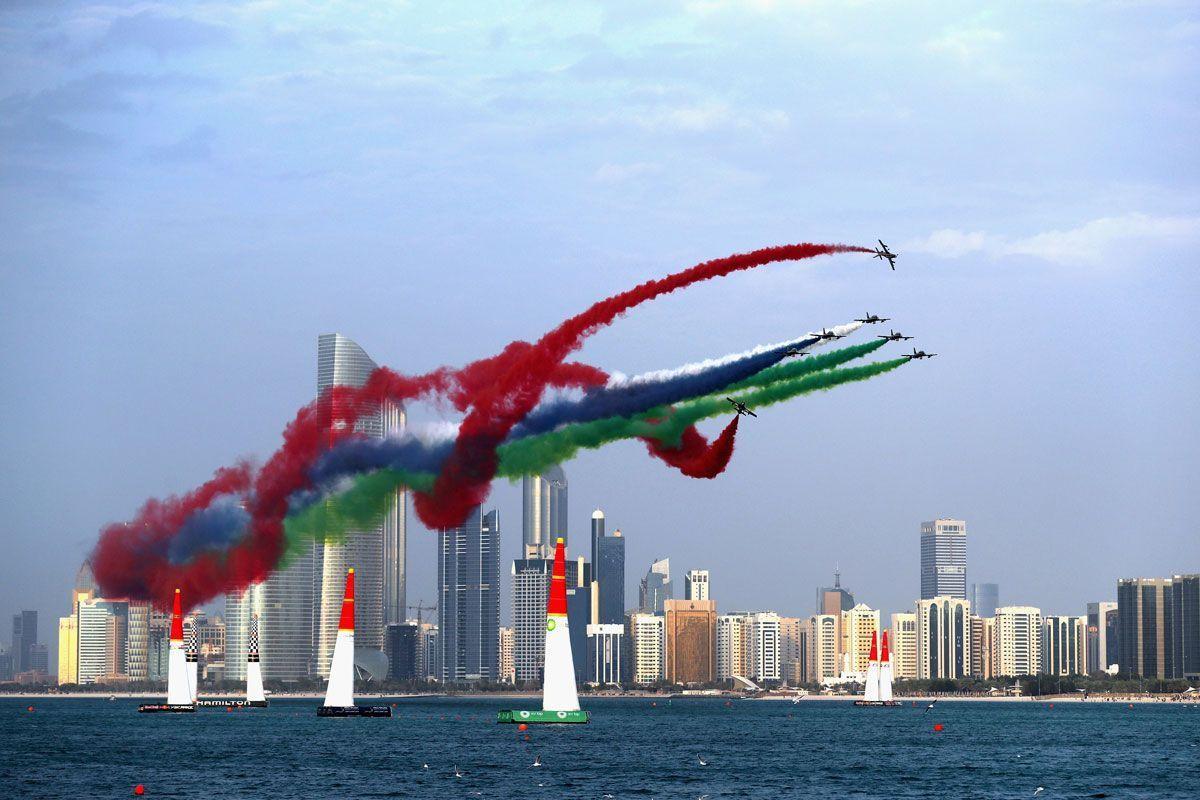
x,y
620,380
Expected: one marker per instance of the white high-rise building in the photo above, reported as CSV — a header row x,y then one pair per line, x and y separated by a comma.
x,y
731,650
764,650
544,512
944,559
824,646
648,635
99,656
1101,636
859,626
943,638
1064,645
1017,641
904,645
695,585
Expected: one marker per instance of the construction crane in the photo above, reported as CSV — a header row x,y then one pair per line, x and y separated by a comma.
x,y
420,608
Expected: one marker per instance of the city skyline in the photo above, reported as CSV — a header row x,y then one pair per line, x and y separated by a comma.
x,y
177,348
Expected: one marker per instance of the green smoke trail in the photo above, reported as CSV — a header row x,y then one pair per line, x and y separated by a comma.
x,y
536,453
361,506
805,366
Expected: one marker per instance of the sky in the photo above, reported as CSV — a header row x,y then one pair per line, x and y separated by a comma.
x,y
190,193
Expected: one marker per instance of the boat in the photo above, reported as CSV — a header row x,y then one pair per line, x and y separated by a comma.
x,y
339,694
878,691
179,688
560,698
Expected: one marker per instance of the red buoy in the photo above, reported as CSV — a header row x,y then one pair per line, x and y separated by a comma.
x,y
30,708
1052,705
522,727
139,790
939,727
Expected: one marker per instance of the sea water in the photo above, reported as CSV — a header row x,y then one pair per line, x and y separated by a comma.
x,y
95,748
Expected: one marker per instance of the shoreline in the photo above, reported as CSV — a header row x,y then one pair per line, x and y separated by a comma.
x,y
523,696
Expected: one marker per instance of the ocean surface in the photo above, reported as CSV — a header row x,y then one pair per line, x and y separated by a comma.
x,y
633,748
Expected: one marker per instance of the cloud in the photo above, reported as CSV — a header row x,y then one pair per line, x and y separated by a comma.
x,y
195,146
966,44
160,34
706,117
620,173
1090,243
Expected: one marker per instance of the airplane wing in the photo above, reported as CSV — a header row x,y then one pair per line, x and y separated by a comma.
x,y
751,413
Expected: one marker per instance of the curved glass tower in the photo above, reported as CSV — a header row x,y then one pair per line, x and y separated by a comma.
x,y
299,606
544,512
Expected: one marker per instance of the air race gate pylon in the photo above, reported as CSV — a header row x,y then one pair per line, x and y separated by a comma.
x,y
560,700
179,686
339,696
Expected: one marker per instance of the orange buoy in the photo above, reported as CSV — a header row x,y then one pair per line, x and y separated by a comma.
x,y
522,727
139,790
30,708
939,727
527,737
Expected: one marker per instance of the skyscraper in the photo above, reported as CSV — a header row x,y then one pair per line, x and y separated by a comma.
x,y
609,573
944,559
985,598
377,555
731,646
508,669
1143,607
597,535
656,587
469,598
646,644
543,512
531,588
691,641
904,644
834,599
1101,636
1185,625
793,650
1064,645
24,636
1159,626
824,646
695,585
764,646
860,627
1017,641
100,656
943,637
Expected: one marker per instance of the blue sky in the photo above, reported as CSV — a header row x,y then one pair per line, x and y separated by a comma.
x,y
191,193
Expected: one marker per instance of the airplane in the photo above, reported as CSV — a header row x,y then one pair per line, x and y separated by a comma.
x,y
893,336
794,351
741,408
882,252
918,354
825,335
869,318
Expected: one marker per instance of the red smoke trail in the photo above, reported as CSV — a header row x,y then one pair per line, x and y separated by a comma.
x,y
466,477
130,561
120,560
695,457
